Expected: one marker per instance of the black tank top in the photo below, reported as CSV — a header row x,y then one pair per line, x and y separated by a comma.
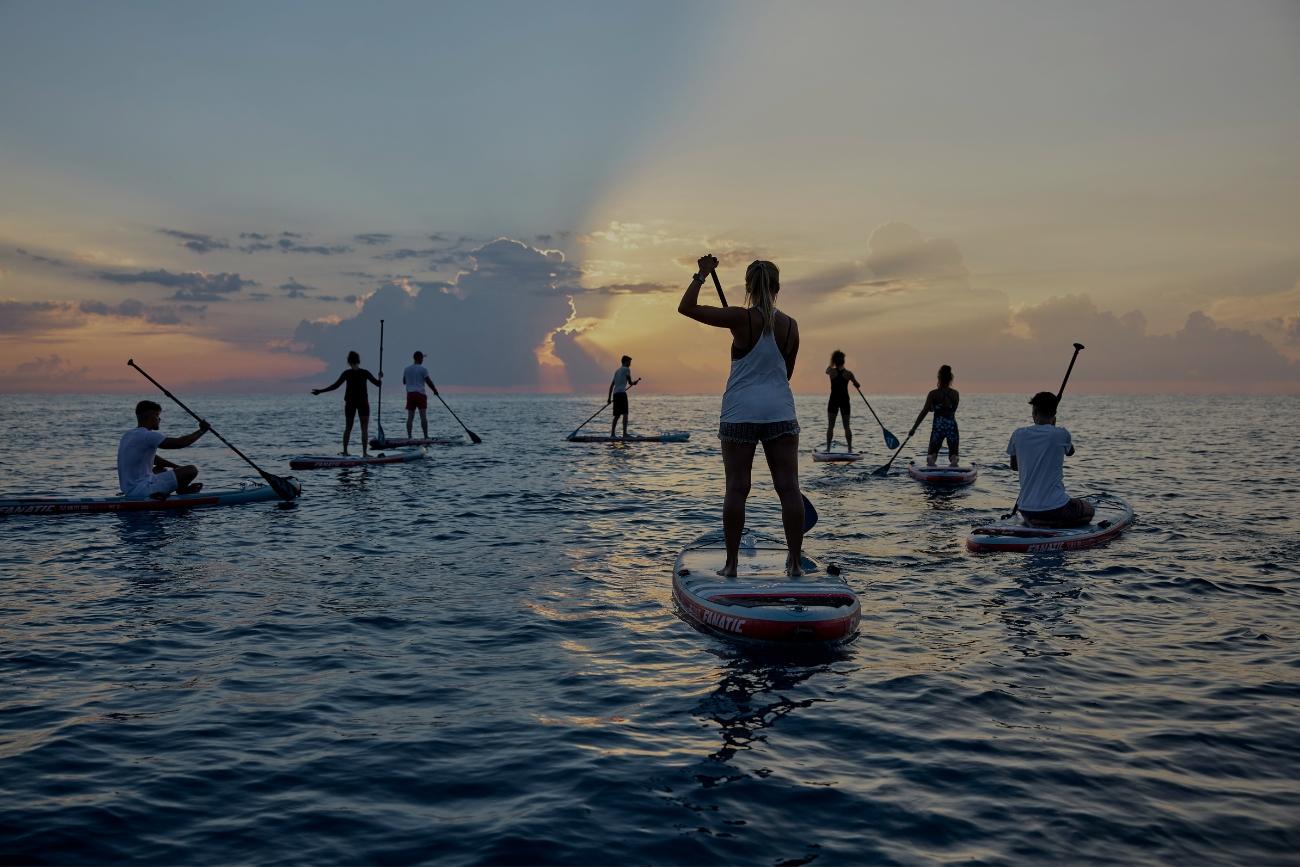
x,y
944,406
839,385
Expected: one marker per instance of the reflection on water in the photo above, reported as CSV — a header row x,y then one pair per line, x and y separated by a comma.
x,y
475,658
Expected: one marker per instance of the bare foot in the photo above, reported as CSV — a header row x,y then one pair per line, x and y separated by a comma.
x,y
728,571
792,567
190,489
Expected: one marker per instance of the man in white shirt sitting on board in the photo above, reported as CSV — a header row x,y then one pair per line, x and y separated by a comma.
x,y
140,472
1038,453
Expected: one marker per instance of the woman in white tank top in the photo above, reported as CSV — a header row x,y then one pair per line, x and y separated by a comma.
x,y
757,405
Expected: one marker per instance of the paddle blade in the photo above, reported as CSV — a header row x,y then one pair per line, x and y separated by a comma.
x,y
284,488
809,514
473,437
881,471
891,441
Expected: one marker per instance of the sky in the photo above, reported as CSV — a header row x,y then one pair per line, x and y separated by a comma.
x,y
236,194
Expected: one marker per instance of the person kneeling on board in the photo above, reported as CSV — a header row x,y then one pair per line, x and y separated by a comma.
x,y
1038,453
618,387
414,378
140,472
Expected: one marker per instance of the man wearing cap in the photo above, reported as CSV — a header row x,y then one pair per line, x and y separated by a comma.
x,y
1038,452
414,378
618,394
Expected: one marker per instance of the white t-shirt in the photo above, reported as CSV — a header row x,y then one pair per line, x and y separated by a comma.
x,y
414,377
1040,452
622,377
135,454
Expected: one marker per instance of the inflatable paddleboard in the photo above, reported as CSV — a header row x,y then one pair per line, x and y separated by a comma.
x,y
329,462
836,457
426,441
672,436
252,492
949,477
761,603
1013,534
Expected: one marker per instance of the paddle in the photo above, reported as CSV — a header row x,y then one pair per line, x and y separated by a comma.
x,y
891,441
1078,347
588,421
473,437
282,487
884,471
809,513
379,412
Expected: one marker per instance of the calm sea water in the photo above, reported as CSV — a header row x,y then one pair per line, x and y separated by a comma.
x,y
475,659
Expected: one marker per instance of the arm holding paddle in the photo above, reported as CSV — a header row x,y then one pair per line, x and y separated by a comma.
x,y
181,442
925,410
690,306
429,382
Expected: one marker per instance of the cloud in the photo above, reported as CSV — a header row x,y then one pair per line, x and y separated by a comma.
x,y
189,285
155,314
899,252
35,317
373,239
287,243
49,367
294,289
408,253
43,317
486,328
632,289
195,241
44,260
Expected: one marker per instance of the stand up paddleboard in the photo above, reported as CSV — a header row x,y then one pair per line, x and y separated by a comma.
x,y
836,457
943,476
252,492
456,440
1013,534
328,462
672,436
761,603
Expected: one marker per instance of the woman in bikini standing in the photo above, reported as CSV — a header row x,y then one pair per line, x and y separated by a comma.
x,y
757,405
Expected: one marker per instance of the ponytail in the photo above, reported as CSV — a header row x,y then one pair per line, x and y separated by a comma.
x,y
762,282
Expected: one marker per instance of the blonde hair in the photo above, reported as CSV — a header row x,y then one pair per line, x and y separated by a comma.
x,y
762,282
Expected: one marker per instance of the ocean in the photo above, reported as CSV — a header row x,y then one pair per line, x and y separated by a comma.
x,y
475,659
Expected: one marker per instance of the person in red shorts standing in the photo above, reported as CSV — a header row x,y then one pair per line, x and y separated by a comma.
x,y
415,377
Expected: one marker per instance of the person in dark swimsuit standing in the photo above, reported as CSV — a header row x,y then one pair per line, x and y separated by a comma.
x,y
356,401
839,402
943,402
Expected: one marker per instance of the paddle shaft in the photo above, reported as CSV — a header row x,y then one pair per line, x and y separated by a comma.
x,y
884,430
588,421
268,476
473,437
1078,347
809,511
379,411
885,469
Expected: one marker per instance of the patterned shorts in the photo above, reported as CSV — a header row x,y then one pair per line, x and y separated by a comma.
x,y
755,431
945,428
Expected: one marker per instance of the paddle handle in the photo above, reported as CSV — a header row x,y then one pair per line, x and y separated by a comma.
x,y
379,411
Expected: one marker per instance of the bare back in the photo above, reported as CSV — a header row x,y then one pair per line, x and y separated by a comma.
x,y
745,336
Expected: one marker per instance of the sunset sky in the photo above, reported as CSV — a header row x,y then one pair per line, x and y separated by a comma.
x,y
234,194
